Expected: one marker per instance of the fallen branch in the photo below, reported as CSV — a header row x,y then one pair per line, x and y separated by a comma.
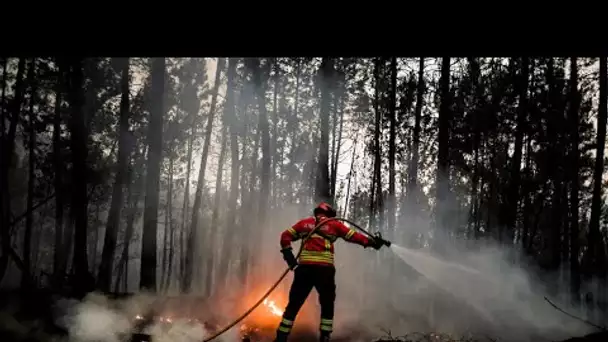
x,y
575,317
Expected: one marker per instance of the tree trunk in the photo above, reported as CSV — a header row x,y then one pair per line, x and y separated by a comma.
x,y
229,112
594,235
266,157
292,152
442,183
412,187
392,147
29,221
135,191
3,99
376,145
168,228
194,226
79,206
522,110
213,240
275,126
574,179
148,267
338,142
555,129
8,145
124,150
186,200
59,253
351,172
322,188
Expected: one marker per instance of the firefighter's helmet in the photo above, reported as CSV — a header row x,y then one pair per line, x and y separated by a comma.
x,y
326,209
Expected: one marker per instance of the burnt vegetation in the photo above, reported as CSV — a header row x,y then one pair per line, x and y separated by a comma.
x,y
121,174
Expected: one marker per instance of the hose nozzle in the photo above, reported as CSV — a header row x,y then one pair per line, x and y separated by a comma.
x,y
378,237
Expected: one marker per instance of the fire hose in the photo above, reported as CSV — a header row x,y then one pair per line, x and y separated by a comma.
x,y
284,274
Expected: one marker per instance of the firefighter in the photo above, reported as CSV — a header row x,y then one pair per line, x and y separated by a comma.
x,y
315,268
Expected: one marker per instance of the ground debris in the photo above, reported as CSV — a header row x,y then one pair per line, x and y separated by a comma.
x,y
431,337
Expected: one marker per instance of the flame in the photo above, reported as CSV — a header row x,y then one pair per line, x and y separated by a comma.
x,y
273,308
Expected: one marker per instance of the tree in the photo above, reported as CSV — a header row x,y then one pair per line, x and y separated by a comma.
x,y
124,150
155,140
326,74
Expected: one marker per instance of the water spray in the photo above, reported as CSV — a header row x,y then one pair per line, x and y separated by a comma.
x,y
377,237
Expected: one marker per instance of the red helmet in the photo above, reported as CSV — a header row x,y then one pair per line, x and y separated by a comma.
x,y
326,209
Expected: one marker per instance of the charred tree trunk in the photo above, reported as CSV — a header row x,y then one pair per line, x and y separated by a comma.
x,y
275,126
376,146
574,179
264,127
29,221
513,194
59,253
213,243
322,188
229,112
595,260
351,174
194,234
443,178
155,146
338,141
294,131
135,192
79,206
8,149
172,232
113,222
186,200
413,169
392,151
168,231
555,130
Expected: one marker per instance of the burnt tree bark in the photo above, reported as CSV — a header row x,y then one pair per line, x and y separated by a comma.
x,y
443,153
513,194
322,188
8,150
155,141
59,254
194,229
229,111
104,279
573,118
392,151
29,220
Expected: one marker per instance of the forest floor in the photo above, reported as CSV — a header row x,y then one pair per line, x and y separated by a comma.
x,y
32,317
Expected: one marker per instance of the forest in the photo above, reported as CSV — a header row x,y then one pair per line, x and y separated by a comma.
x,y
176,176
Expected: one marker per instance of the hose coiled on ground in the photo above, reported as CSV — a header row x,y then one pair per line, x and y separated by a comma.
x,y
274,286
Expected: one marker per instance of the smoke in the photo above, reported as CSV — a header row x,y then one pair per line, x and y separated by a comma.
x,y
98,318
474,288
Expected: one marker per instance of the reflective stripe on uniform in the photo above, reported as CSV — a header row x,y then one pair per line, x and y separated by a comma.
x,y
326,324
317,256
349,234
285,325
293,232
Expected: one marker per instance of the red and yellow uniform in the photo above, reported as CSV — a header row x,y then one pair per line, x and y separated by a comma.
x,y
319,248
315,267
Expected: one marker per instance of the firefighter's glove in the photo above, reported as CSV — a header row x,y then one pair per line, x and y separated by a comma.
x,y
289,258
375,243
